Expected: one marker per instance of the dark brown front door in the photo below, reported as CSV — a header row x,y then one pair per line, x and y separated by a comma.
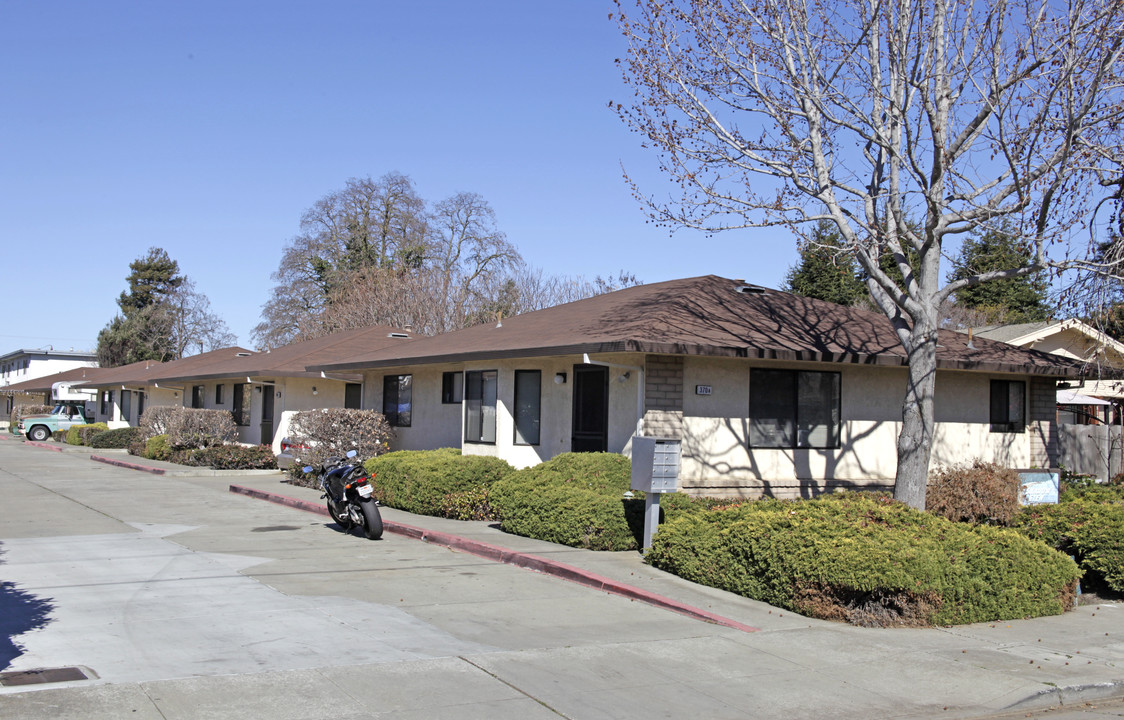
x,y
591,409
266,414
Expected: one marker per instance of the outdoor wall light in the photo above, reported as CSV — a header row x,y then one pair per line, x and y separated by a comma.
x,y
278,393
627,374
559,378
315,391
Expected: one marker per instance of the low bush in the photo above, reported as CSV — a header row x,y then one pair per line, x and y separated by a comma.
x,y
157,448
574,499
81,434
234,457
1094,493
437,482
867,560
1092,532
331,432
979,493
59,436
119,438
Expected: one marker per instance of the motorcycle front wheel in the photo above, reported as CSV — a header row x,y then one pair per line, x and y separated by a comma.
x,y
372,519
341,518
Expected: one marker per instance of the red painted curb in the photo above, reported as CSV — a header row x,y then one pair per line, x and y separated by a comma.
x,y
511,557
45,446
126,464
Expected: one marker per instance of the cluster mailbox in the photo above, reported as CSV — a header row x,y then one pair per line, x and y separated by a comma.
x,y
655,464
655,470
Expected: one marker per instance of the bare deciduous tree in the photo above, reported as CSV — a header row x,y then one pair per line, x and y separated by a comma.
x,y
959,115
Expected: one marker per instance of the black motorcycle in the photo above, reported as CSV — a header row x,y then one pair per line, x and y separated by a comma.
x,y
348,491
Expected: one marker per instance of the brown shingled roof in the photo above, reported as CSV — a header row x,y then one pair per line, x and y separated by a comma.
x,y
706,315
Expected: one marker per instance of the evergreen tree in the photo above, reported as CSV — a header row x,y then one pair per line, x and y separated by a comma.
x,y
1010,300
826,270
144,329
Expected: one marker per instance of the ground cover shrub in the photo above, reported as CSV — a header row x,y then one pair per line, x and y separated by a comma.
x,y
81,434
234,457
119,438
1098,493
332,432
158,448
574,499
437,482
1091,531
982,492
866,560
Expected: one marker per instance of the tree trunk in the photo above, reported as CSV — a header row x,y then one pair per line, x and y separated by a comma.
x,y
915,442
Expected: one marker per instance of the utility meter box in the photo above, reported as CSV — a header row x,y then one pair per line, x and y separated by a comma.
x,y
655,464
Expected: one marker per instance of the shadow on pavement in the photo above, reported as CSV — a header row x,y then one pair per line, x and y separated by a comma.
x,y
20,612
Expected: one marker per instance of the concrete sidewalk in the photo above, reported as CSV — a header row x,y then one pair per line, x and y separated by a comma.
x,y
714,651
1019,664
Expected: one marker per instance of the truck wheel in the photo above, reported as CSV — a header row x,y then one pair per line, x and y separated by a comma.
x,y
38,433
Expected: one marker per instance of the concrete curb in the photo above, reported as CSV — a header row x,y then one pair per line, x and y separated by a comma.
x,y
127,464
512,557
45,446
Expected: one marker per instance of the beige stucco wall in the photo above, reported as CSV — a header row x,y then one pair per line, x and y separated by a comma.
x,y
717,459
433,424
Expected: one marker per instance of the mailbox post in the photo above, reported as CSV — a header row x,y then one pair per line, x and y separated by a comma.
x,y
655,470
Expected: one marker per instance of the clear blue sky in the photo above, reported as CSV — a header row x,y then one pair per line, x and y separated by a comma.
x,y
207,128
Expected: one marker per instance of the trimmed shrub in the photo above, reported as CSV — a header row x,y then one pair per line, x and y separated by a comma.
x,y
980,493
867,560
574,499
1092,532
425,482
1093,493
81,434
235,457
119,438
59,436
331,432
157,419
198,428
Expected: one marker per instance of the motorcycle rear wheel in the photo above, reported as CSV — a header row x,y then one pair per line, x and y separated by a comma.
x,y
372,519
341,519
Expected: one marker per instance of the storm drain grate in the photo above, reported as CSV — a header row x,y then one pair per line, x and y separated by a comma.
x,y
38,677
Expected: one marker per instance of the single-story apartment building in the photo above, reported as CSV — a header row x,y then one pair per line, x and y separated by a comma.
x,y
261,389
767,392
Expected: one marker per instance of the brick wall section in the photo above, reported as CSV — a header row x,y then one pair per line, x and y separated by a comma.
x,y
1043,422
663,396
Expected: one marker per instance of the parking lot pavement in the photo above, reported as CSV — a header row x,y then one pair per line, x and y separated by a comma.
x,y
182,599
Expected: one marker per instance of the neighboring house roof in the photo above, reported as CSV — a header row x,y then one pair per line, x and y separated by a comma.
x,y
43,384
61,354
706,315
146,372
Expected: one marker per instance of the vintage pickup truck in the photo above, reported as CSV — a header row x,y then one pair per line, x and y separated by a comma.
x,y
63,417
73,407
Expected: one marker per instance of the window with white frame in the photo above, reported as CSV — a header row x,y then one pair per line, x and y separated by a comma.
x,y
480,406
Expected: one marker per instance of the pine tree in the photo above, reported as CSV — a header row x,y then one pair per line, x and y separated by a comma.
x,y
826,270
1011,300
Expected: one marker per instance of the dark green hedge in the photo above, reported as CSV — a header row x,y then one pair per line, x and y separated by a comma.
x,y
578,499
436,482
234,457
867,560
1091,531
119,438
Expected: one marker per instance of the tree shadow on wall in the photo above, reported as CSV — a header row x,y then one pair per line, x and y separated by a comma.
x,y
20,612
